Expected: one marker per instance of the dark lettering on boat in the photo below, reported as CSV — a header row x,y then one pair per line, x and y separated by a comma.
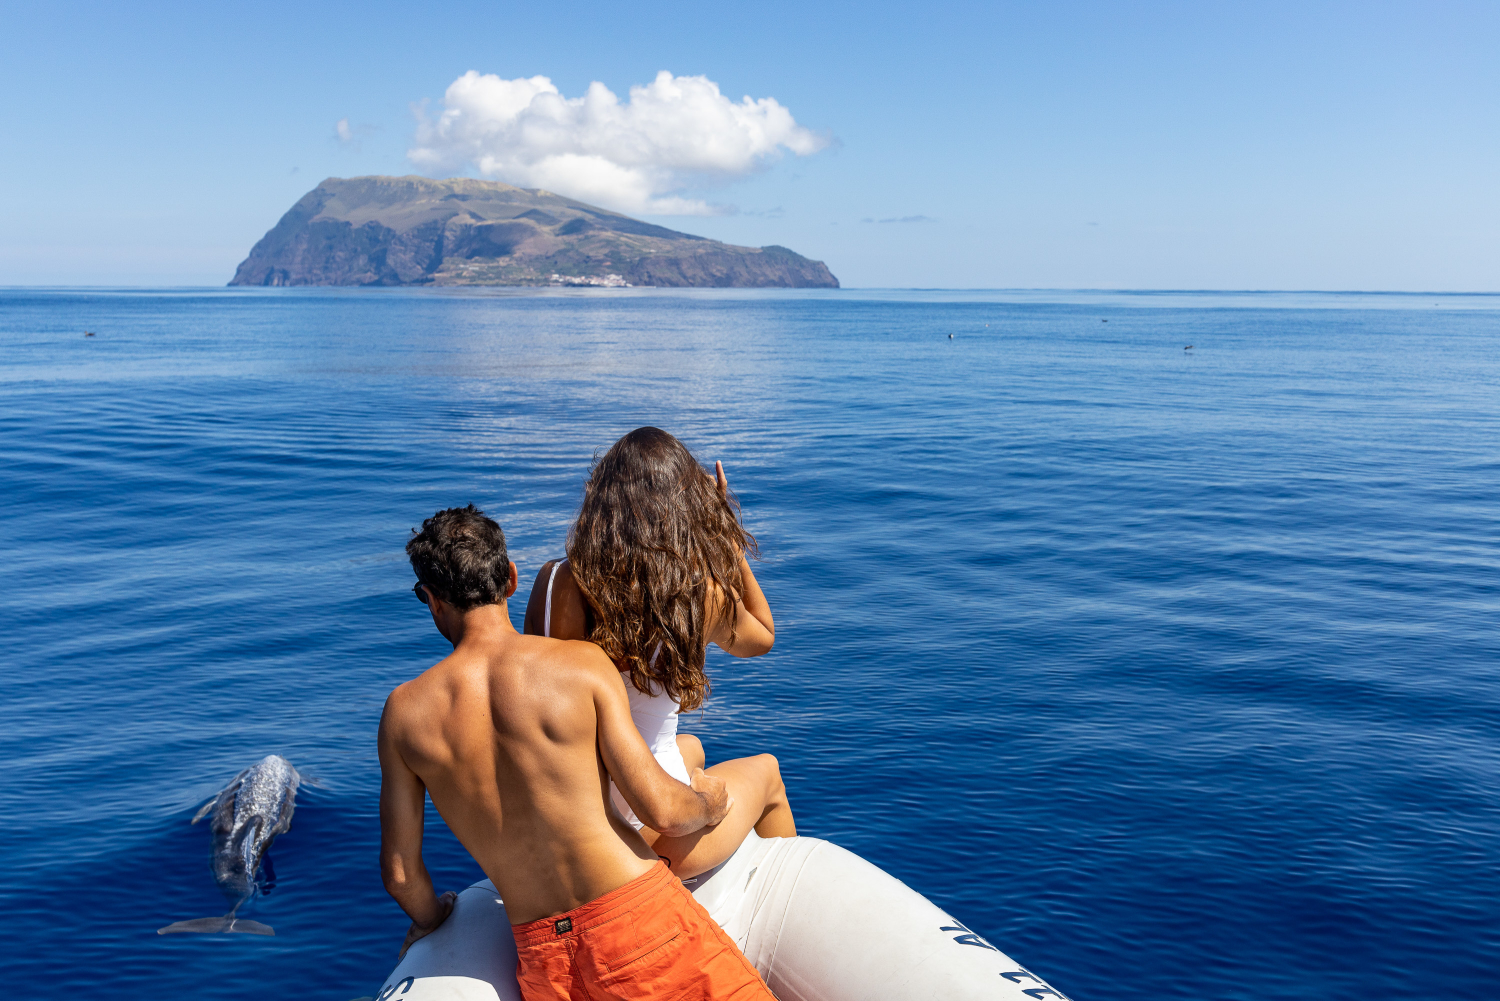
x,y
390,991
968,937
1014,976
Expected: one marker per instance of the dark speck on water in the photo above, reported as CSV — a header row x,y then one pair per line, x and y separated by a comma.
x,y
1174,682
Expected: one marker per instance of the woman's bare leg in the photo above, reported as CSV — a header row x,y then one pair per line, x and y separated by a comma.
x,y
759,802
692,751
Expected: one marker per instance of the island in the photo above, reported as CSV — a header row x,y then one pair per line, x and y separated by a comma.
x,y
460,231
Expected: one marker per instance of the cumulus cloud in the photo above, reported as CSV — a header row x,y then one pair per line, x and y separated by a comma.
x,y
343,131
636,156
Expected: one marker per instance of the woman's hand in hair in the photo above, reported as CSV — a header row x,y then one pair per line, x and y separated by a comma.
x,y
720,480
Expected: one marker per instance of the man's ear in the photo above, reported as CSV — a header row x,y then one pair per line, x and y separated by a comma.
x,y
511,584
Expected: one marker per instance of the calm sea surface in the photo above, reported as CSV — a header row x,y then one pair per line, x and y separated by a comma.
x,y
1174,673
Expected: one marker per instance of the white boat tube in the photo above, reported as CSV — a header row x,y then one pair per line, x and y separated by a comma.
x,y
818,923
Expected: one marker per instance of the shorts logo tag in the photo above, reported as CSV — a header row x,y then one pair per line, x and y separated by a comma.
x,y
565,925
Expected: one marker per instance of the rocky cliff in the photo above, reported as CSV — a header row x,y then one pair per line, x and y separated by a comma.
x,y
417,231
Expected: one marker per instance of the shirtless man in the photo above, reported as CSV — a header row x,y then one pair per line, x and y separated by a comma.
x,y
515,738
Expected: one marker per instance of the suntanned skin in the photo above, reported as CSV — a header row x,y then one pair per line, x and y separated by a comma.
x,y
515,737
754,783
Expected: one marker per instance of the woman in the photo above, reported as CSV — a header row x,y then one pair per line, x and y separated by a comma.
x,y
656,571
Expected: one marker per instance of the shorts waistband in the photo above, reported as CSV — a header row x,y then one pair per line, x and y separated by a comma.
x,y
596,912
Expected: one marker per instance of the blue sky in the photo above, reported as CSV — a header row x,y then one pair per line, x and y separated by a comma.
x,y
1041,145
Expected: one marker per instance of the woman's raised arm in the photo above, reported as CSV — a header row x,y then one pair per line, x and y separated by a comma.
x,y
754,629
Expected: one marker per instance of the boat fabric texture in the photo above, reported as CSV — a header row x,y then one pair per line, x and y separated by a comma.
x,y
655,716
818,923
647,939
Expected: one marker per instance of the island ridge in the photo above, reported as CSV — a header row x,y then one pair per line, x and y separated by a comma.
x,y
459,231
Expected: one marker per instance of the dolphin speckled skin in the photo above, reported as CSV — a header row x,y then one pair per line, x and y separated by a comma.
x,y
245,818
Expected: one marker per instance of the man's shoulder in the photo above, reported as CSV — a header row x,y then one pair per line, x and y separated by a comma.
x,y
438,686
579,655
410,695
521,651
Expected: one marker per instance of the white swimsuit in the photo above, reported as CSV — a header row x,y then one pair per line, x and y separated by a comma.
x,y
655,716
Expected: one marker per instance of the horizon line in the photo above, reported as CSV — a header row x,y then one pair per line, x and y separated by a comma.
x,y
825,291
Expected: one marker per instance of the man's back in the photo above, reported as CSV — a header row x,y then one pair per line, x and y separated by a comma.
x,y
515,737
503,735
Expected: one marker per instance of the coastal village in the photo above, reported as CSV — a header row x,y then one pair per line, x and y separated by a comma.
x,y
605,281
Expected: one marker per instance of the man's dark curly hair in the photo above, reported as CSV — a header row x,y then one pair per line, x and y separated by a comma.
x,y
460,555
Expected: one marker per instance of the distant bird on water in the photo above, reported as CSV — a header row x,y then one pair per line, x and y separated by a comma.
x,y
88,333
950,337
1188,348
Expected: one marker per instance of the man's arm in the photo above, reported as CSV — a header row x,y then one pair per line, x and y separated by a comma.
x,y
661,802
402,799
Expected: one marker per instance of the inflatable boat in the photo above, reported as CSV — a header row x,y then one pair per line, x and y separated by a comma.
x,y
818,923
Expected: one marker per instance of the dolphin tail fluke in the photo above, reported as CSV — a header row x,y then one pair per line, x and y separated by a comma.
x,y
228,924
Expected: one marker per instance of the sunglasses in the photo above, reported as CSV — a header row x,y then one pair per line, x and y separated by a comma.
x,y
417,589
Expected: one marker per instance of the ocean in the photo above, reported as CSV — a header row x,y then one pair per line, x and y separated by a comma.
x,y
1171,672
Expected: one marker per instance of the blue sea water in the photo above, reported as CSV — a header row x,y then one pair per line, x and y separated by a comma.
x,y
1173,673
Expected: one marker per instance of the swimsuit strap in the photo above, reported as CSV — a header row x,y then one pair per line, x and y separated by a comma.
x,y
547,615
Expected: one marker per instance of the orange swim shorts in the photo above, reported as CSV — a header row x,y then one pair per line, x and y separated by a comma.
x,y
648,939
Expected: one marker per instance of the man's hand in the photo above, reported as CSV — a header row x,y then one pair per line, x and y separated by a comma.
x,y
715,793
416,931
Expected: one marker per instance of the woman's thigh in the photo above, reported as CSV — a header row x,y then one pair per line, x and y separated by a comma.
x,y
752,783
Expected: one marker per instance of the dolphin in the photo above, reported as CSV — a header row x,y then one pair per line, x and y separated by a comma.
x,y
246,816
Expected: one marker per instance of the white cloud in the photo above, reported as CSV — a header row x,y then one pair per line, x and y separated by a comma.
x,y
345,133
638,156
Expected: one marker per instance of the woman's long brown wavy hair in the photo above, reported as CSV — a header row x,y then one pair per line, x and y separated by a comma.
x,y
652,533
